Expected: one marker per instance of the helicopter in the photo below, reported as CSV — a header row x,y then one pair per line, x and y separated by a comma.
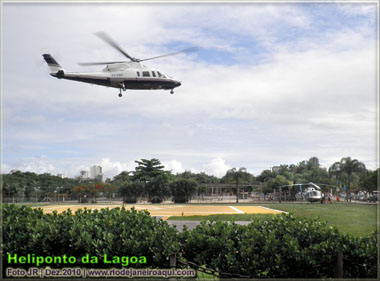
x,y
312,193
123,75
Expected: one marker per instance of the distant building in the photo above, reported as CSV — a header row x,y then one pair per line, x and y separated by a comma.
x,y
96,173
83,175
100,178
62,176
314,161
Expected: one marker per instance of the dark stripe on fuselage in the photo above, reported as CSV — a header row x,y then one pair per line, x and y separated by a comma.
x,y
130,84
145,84
97,81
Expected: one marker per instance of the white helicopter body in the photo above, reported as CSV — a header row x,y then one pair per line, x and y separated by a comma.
x,y
128,75
312,193
122,75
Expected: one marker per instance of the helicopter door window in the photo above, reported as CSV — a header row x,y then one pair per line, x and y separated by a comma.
x,y
146,74
154,74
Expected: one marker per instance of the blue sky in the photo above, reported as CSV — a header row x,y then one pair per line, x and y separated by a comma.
x,y
271,84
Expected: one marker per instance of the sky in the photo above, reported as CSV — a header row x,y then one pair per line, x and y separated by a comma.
x,y
271,84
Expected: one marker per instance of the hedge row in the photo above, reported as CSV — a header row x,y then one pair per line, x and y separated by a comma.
x,y
115,232
284,246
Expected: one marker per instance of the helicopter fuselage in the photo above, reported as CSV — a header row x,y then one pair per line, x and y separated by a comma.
x,y
313,196
120,74
128,75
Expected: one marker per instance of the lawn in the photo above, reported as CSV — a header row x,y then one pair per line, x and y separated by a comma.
x,y
357,219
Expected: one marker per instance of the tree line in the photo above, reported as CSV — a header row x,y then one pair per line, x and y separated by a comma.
x,y
151,182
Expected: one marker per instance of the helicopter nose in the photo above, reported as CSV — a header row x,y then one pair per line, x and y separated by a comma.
x,y
177,84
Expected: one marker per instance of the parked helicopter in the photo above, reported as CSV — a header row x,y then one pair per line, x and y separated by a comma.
x,y
120,74
312,193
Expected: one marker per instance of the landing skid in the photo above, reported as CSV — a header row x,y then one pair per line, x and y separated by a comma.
x,y
122,88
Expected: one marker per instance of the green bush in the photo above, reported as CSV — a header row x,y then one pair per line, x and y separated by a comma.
x,y
282,247
360,255
115,232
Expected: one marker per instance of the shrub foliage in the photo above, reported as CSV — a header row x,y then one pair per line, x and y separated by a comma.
x,y
284,246
115,232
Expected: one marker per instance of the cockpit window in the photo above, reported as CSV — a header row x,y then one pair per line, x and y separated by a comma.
x,y
160,75
154,74
138,74
146,74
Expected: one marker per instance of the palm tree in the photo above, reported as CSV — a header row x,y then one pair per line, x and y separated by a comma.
x,y
344,171
236,175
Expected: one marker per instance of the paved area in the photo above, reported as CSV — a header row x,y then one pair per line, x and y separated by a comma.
x,y
193,224
169,210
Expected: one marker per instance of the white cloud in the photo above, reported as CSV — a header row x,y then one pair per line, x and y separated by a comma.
x,y
39,165
174,166
217,167
113,168
358,9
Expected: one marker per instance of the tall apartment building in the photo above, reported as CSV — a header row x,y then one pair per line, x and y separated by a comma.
x,y
314,161
96,173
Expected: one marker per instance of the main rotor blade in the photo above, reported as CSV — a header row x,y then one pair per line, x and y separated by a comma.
x,y
105,37
184,51
99,63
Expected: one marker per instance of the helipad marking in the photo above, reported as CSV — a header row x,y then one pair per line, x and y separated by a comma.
x,y
258,210
54,207
274,210
236,209
154,208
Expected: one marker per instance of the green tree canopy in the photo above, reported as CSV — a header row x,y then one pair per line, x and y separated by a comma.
x,y
344,171
147,170
370,181
238,176
131,191
182,190
152,177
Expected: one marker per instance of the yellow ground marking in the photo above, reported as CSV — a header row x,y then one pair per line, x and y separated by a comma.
x,y
171,210
236,209
258,210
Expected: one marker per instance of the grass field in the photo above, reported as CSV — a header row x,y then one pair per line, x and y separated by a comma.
x,y
356,219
